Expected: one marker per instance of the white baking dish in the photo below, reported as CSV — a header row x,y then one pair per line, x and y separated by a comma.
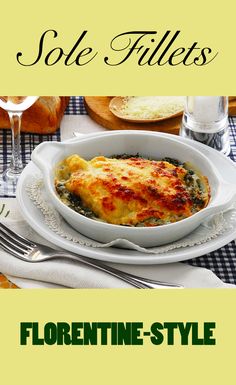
x,y
152,145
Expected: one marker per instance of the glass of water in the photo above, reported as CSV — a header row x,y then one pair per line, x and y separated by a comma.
x,y
205,119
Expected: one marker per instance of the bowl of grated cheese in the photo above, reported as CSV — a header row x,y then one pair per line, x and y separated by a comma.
x,y
144,109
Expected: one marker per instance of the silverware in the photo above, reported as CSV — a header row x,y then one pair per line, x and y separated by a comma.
x,y
30,251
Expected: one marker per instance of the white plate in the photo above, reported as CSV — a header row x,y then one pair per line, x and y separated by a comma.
x,y
34,217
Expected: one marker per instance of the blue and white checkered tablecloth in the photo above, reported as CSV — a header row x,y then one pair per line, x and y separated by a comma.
x,y
222,261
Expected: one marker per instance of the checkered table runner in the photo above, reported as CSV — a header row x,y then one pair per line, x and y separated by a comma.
x,y
222,261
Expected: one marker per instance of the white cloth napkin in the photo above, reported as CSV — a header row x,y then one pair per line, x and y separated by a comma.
x,y
82,125
71,274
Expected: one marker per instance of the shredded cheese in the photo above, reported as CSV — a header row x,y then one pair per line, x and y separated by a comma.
x,y
152,107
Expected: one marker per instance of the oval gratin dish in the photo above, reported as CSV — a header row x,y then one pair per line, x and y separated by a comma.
x,y
149,145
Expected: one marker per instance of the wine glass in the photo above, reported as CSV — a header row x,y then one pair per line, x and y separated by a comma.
x,y
15,106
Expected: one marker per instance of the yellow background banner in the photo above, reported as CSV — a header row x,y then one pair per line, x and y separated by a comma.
x,y
206,23
147,363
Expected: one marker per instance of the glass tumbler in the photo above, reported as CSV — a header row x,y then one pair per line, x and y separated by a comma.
x,y
205,120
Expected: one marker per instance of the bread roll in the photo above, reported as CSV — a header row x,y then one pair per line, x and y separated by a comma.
x,y
43,117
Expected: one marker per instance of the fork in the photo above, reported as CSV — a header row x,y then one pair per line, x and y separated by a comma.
x,y
29,251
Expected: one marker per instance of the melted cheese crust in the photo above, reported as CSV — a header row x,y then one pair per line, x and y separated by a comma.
x,y
134,191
